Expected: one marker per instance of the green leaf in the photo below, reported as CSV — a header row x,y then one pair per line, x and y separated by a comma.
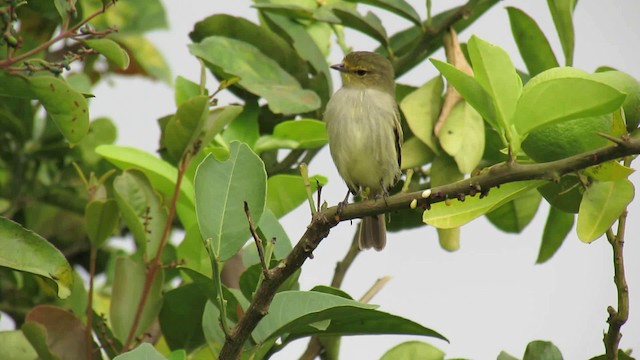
x,y
184,128
414,350
192,250
558,226
100,218
127,290
181,317
221,190
565,195
287,192
532,44
515,215
259,74
415,153
298,35
102,131
145,351
142,210
36,334
15,86
271,228
368,24
111,50
259,36
296,312
398,7
449,239
160,173
421,109
32,253
563,94
444,171
16,345
627,84
66,107
252,275
63,8
185,89
471,91
458,213
562,14
495,72
211,326
609,171
245,128
621,356
145,57
560,140
294,134
301,10
462,136
542,350
505,356
136,17
601,205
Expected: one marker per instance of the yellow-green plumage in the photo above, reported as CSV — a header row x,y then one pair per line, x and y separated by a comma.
x,y
365,136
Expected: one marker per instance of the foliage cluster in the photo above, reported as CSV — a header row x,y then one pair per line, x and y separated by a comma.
x,y
495,142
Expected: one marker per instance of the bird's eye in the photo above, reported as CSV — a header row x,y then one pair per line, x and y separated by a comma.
x,y
361,72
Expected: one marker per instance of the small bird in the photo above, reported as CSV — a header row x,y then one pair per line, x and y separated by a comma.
x,y
365,136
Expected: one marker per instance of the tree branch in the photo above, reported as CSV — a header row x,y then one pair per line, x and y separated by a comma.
x,y
323,221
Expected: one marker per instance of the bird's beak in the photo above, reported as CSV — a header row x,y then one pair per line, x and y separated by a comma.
x,y
339,67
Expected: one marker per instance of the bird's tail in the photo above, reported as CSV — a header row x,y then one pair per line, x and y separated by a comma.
x,y
373,233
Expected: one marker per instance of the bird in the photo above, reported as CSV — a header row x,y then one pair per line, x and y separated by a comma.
x,y
365,135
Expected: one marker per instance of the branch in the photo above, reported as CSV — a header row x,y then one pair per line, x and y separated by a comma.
x,y
617,318
61,36
375,289
257,239
323,221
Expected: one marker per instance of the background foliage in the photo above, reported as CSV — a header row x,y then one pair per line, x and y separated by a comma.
x,y
78,197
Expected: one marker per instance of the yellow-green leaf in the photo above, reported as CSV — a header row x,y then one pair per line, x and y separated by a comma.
x,y
458,213
602,203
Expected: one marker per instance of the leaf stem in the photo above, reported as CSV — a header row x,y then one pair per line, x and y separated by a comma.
x,y
222,304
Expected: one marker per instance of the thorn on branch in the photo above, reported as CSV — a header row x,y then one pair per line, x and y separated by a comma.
x,y
616,140
257,239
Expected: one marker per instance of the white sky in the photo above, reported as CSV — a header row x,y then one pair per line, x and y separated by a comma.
x,y
487,297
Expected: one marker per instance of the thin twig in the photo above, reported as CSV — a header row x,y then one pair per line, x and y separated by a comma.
x,y
304,172
258,241
619,317
343,265
375,289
